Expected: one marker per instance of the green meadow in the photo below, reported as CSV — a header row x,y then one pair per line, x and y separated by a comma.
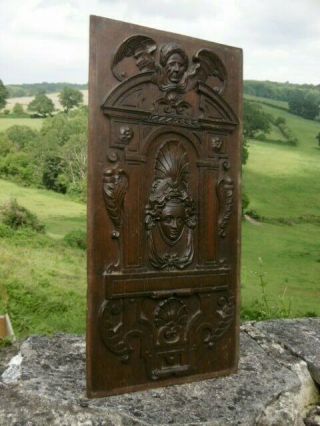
x,y
34,123
283,184
43,279
60,214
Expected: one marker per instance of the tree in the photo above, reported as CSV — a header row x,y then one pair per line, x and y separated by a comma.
x,y
52,177
3,95
18,109
42,105
304,103
255,120
70,98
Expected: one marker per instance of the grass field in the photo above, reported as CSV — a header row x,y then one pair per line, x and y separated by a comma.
x,y
267,101
43,279
283,184
60,214
42,285
34,123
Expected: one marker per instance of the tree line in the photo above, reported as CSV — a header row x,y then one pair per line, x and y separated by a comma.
x,y
54,158
19,90
303,100
42,105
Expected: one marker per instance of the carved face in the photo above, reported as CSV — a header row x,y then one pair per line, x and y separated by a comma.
x,y
175,67
172,220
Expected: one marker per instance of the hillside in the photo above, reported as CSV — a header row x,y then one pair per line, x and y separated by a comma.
x,y
43,278
283,186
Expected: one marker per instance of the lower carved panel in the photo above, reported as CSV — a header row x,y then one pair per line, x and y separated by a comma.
x,y
167,332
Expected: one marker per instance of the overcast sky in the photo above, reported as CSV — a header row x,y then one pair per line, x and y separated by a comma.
x,y
47,40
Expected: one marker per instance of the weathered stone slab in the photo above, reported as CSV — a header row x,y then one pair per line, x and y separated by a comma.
x,y
272,387
299,337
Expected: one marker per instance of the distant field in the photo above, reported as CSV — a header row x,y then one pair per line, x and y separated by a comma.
x,y
267,101
54,96
34,123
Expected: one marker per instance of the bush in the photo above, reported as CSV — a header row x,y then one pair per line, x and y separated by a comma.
x,y
254,214
261,137
16,216
18,109
77,239
245,202
5,231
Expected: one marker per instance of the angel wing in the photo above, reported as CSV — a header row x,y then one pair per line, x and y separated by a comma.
x,y
206,63
141,48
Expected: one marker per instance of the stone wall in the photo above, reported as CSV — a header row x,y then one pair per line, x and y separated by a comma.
x,y
277,384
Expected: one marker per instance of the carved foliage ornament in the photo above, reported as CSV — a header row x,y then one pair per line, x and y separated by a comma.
x,y
115,185
166,332
225,195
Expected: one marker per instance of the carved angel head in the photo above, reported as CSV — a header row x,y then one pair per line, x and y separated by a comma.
x,y
174,61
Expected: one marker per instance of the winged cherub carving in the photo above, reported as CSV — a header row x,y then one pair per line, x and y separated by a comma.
x,y
174,71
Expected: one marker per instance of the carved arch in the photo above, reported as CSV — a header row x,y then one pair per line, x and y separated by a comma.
x,y
124,89
192,139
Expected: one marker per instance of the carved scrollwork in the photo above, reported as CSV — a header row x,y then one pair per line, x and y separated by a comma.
x,y
170,213
172,119
113,330
166,333
225,195
225,313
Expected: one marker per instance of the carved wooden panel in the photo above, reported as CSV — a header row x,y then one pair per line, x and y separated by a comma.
x,y
164,214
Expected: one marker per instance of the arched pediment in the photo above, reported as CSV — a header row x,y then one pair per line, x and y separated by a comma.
x,y
140,96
